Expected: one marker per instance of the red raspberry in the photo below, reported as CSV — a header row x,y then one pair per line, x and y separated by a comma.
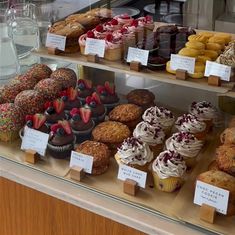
x,y
90,34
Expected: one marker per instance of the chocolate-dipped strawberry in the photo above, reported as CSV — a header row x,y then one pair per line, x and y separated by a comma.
x,y
84,89
70,98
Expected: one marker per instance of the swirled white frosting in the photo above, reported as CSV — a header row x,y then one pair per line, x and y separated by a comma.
x,y
152,135
189,123
134,151
169,164
159,116
203,110
185,144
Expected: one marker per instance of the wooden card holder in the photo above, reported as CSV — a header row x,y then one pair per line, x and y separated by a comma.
x,y
130,187
135,65
53,51
214,80
31,156
93,58
181,74
77,173
207,213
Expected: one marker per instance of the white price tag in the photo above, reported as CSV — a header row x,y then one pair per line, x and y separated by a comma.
x,y
56,41
95,46
182,62
82,160
139,55
212,196
220,70
126,172
35,140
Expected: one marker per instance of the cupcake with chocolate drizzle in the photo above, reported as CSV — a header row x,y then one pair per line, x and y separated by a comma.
x,y
134,153
70,98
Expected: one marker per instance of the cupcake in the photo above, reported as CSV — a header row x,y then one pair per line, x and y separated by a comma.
x,y
187,145
81,123
204,111
111,25
67,77
168,170
108,96
123,19
134,153
98,110
11,121
154,136
30,101
191,124
100,154
39,72
128,114
84,89
54,111
70,98
159,116
141,97
61,140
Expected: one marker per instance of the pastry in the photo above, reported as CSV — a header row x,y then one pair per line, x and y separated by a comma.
x,y
168,170
226,36
218,40
61,140
203,59
222,180
206,34
84,89
111,133
141,97
134,153
214,46
70,98
228,136
191,124
112,25
167,29
198,38
228,56
100,153
123,18
195,45
213,166
39,72
160,116
128,114
210,53
154,136
29,82
189,52
187,145
11,121
30,101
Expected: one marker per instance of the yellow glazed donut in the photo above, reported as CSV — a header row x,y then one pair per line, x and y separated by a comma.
x,y
189,52
203,59
196,37
226,36
212,54
217,39
213,46
195,45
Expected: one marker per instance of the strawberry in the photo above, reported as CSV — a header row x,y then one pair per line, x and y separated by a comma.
x,y
54,127
99,28
148,18
38,120
58,104
66,126
63,93
29,118
114,22
109,87
90,34
134,23
47,105
88,83
109,37
74,111
72,93
123,30
85,114
100,89
96,97
88,100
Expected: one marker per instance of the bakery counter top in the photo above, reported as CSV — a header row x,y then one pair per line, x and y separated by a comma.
x,y
121,212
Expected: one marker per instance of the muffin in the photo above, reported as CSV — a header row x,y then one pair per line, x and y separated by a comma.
x,y
98,110
30,101
168,170
61,140
191,124
111,133
154,136
84,89
228,136
100,153
128,114
141,97
159,116
11,121
81,123
70,98
187,145
39,72
108,96
134,153
67,77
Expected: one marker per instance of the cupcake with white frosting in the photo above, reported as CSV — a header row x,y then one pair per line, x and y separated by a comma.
x,y
168,170
187,145
134,153
159,116
190,123
154,136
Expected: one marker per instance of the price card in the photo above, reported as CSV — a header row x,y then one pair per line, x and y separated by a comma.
x,y
82,160
182,62
212,196
56,41
139,55
220,70
126,172
35,140
95,46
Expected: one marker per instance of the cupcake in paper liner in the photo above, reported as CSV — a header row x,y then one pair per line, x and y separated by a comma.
x,y
61,140
168,170
84,89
